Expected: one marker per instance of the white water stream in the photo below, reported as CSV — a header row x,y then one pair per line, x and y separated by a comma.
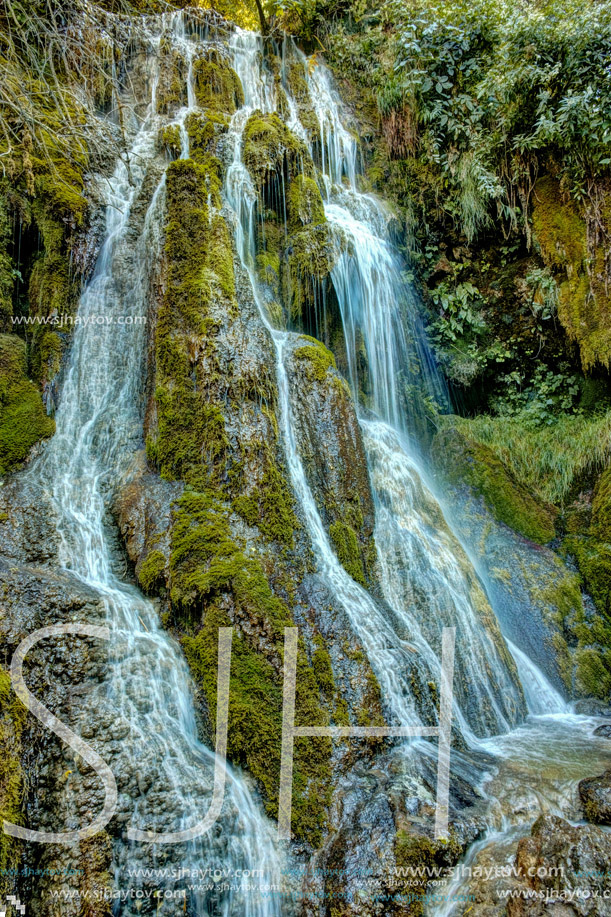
x,y
146,727
143,713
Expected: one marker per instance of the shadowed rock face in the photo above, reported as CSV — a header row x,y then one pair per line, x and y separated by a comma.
x,y
595,795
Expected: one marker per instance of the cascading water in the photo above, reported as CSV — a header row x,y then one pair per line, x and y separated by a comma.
x,y
144,722
427,578
487,684
143,712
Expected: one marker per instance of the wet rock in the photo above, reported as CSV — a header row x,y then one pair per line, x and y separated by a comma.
x,y
563,871
143,510
604,731
536,598
595,795
591,706
331,448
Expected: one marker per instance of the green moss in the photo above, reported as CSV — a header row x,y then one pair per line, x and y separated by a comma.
x,y
311,255
170,139
172,85
191,442
151,571
601,508
594,672
7,272
23,420
51,288
269,147
270,505
204,131
46,356
421,855
584,305
12,721
317,359
296,81
305,206
217,85
206,564
323,670
346,547
594,561
464,461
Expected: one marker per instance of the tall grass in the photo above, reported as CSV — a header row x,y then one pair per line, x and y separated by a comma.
x,y
549,459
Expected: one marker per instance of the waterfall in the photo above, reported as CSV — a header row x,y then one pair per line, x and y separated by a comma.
x,y
142,713
418,556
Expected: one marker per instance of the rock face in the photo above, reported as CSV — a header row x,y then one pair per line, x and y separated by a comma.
x,y
331,448
537,598
58,787
595,795
566,869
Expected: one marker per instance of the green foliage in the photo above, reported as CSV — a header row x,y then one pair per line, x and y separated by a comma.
x,y
464,460
550,460
23,420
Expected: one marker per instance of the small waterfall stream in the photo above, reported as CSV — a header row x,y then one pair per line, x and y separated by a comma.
x,y
427,578
143,712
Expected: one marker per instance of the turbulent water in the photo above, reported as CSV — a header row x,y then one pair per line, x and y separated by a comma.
x,y
426,577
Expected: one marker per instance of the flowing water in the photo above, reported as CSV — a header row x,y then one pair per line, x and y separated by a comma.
x,y
426,577
144,714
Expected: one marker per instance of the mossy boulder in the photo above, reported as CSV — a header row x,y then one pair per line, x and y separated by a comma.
x,y
304,203
464,461
584,307
210,571
12,720
331,448
590,546
217,85
23,419
295,79
172,84
271,149
305,270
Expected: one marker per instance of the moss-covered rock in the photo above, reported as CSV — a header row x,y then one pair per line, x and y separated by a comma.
x,y
209,569
271,149
329,441
12,720
23,420
191,441
584,307
304,203
295,79
305,271
217,85
463,460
